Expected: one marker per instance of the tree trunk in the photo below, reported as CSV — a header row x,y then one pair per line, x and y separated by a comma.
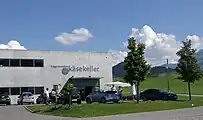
x,y
138,93
70,99
189,91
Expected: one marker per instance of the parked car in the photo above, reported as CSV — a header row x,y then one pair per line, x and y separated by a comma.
x,y
102,97
157,94
5,99
26,97
63,97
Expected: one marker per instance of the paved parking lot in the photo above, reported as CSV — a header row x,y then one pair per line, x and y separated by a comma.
x,y
19,113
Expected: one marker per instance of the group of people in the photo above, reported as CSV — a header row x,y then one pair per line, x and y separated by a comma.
x,y
50,96
119,91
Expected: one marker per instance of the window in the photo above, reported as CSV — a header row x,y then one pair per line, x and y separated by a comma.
x,y
24,89
39,63
14,62
4,91
22,62
27,63
15,91
149,91
4,62
31,89
39,90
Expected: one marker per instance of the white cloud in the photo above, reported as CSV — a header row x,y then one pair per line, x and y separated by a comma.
x,y
12,44
118,56
77,35
197,42
159,46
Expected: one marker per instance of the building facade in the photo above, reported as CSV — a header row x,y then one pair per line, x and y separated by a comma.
x,y
35,70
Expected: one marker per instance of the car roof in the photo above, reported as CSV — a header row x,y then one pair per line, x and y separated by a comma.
x,y
26,93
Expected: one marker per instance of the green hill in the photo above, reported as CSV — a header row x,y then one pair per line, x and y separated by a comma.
x,y
176,85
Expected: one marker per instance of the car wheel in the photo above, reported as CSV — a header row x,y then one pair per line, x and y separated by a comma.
x,y
8,103
103,100
79,101
165,98
116,101
88,101
144,99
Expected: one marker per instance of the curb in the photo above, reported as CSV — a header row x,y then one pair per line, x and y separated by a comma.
x,y
29,110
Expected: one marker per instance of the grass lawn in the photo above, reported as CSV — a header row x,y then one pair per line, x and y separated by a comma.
x,y
91,110
176,85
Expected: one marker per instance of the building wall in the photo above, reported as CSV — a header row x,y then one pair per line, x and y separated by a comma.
x,y
48,76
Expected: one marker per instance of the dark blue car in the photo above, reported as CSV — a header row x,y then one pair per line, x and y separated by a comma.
x,y
103,97
157,94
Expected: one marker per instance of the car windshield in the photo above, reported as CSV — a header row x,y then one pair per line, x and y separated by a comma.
x,y
110,91
27,94
3,94
163,91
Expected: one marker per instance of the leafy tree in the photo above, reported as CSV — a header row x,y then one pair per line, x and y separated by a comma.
x,y
188,68
67,91
136,66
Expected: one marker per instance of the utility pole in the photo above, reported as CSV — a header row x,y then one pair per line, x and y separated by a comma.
x,y
168,83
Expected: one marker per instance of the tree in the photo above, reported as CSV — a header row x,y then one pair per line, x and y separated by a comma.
x,y
188,68
136,66
67,91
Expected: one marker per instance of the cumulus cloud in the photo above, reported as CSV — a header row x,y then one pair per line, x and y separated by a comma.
x,y
159,46
12,44
77,35
197,42
118,56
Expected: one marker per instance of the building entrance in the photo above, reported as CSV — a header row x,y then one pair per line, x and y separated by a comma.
x,y
88,90
85,86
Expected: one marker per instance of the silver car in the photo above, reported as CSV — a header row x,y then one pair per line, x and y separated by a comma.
x,y
26,97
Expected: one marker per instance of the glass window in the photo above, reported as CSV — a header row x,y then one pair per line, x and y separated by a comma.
x,y
4,62
27,63
4,91
39,90
31,89
15,91
39,63
24,89
149,91
14,62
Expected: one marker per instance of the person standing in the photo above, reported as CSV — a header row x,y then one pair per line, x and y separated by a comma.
x,y
47,92
53,96
120,90
113,88
47,95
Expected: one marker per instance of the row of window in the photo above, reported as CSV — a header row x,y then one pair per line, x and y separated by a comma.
x,y
21,63
19,90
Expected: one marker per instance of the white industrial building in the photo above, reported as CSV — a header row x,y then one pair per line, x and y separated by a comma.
x,y
36,70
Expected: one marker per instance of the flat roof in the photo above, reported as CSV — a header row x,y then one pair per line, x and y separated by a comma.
x,y
87,78
35,50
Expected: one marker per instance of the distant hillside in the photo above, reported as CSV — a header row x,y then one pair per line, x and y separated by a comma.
x,y
157,70
172,66
118,70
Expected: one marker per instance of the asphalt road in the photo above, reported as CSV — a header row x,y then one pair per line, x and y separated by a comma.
x,y
191,95
19,113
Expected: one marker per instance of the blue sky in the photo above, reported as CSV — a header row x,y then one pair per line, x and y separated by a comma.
x,y
35,23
